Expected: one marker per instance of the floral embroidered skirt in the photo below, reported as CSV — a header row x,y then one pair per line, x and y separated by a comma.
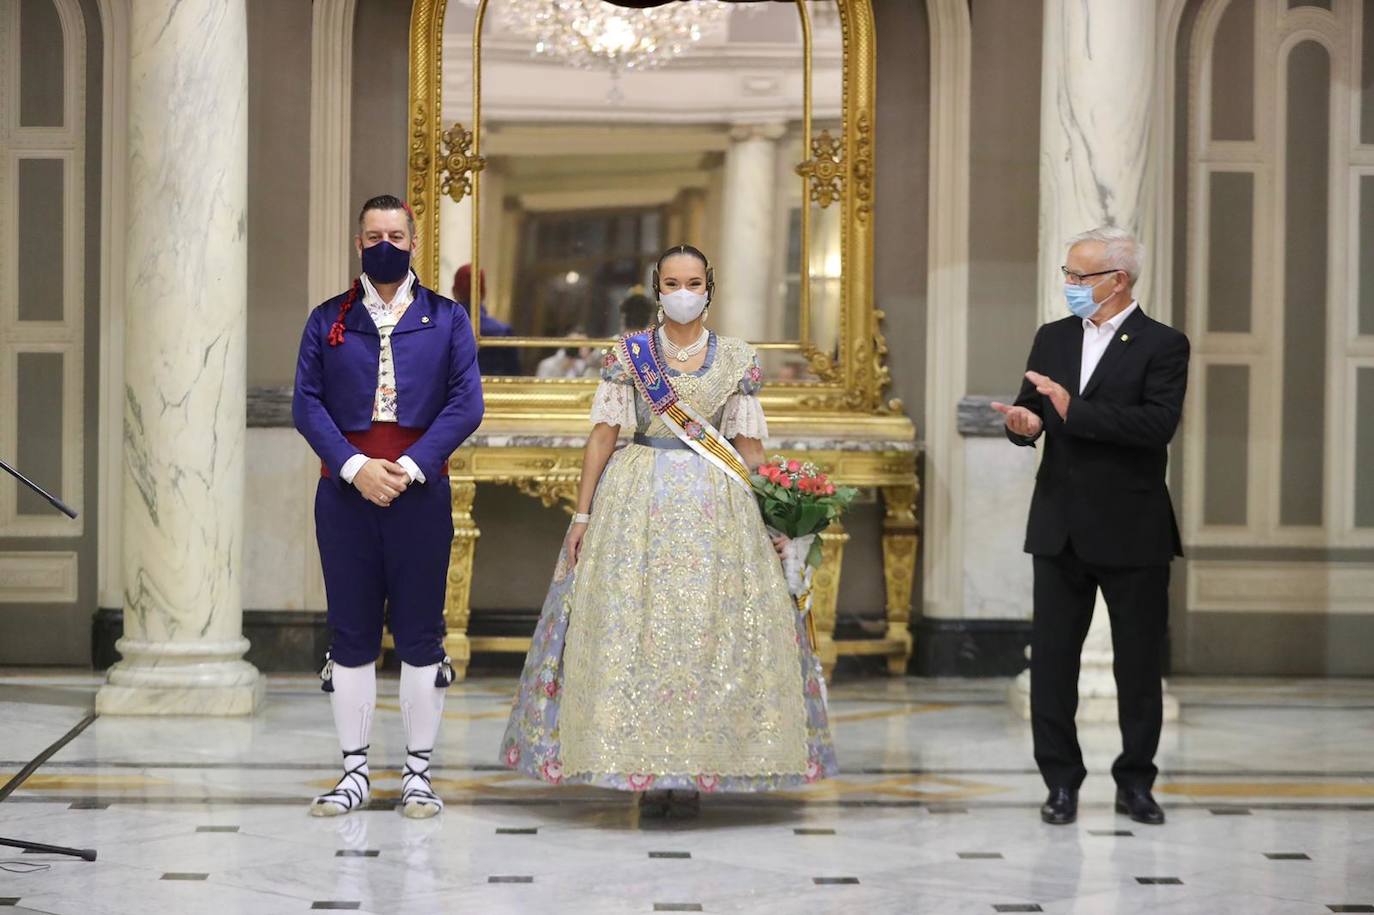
x,y
673,656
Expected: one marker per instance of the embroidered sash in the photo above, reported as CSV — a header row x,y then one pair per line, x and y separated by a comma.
x,y
639,351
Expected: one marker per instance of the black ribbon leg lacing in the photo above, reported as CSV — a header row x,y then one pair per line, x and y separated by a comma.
x,y
352,790
417,791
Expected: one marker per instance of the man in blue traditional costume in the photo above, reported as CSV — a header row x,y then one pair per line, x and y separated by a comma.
x,y
387,387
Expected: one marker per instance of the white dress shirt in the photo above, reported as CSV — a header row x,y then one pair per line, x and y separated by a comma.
x,y
386,315
1095,340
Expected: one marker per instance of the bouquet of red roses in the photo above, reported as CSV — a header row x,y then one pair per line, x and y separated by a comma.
x,y
799,501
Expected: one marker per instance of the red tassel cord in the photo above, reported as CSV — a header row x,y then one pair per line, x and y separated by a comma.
x,y
336,330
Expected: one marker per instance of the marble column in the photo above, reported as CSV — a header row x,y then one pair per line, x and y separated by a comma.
x,y
1096,108
748,232
185,346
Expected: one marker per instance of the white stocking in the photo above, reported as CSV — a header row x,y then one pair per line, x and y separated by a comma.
x,y
422,708
353,700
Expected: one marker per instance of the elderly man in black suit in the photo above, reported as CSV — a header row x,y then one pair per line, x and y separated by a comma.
x,y
1104,387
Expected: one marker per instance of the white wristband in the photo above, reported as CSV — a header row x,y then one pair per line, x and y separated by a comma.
x,y
582,518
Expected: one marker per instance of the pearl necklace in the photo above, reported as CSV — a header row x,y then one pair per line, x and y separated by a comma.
x,y
683,353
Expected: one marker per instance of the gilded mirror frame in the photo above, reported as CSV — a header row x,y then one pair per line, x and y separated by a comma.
x,y
853,383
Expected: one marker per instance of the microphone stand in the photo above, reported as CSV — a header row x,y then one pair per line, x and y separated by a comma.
x,y
86,854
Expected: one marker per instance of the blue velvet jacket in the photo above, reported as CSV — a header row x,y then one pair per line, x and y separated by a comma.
x,y
438,383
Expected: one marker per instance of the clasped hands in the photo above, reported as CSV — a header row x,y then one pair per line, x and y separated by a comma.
x,y
380,481
1025,423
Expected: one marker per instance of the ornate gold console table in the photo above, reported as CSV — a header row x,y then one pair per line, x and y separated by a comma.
x,y
866,451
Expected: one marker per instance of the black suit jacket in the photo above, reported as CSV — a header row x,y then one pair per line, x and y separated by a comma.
x,y
1101,480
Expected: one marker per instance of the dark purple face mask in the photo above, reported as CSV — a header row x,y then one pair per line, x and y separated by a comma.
x,y
385,263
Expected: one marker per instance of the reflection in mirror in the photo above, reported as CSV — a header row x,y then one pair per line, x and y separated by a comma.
x,y
592,167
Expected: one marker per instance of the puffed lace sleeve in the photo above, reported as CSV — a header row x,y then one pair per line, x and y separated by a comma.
x,y
743,413
614,403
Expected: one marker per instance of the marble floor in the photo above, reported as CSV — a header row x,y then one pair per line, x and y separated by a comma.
x,y
1269,787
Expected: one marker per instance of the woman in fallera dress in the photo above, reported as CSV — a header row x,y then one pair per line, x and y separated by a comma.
x,y
669,658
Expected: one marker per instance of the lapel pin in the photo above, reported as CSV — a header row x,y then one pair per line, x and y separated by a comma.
x,y
1125,337
425,320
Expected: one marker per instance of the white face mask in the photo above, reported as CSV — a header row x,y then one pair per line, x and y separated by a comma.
x,y
683,306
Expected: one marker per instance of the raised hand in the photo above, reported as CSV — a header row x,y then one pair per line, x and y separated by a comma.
x,y
1059,397
381,482
1019,420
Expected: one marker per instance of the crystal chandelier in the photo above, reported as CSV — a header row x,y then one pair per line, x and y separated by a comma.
x,y
596,35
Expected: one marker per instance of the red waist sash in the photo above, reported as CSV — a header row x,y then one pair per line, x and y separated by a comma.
x,y
387,441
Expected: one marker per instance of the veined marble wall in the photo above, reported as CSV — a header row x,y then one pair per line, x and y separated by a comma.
x,y
276,553
999,479
278,183
1002,317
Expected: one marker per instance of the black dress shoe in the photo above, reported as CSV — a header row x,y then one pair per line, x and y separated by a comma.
x,y
1061,808
653,805
683,805
1140,804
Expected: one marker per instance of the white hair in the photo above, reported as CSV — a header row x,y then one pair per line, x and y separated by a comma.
x,y
1122,250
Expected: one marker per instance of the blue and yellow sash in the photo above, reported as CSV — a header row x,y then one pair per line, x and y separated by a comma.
x,y
639,351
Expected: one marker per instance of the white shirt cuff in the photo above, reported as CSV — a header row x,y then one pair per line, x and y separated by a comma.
x,y
412,468
351,467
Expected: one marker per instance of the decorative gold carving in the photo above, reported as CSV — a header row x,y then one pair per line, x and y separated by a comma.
x,y
863,381
882,375
825,593
825,169
419,162
426,65
836,401
900,542
458,162
822,366
536,464
458,594
863,167
550,491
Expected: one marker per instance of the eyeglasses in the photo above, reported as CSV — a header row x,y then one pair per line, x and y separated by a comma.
x,y
1078,278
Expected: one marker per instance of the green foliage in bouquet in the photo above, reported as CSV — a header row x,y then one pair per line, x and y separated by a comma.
x,y
797,499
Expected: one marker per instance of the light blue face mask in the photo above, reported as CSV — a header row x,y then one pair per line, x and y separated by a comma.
x,y
1080,300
